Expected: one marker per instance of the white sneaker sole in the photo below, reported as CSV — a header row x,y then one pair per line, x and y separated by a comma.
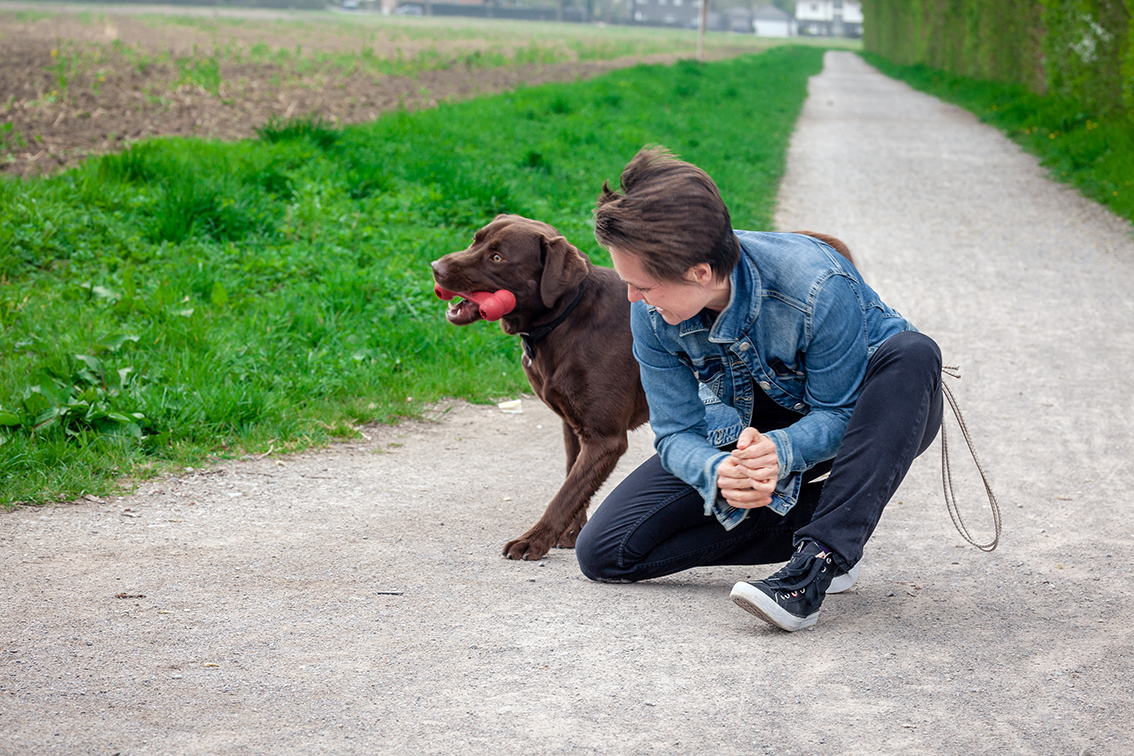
x,y
845,581
755,602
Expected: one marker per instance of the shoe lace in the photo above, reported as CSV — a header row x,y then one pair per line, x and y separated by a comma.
x,y
799,573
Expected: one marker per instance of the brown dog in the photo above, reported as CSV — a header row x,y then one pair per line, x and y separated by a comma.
x,y
574,319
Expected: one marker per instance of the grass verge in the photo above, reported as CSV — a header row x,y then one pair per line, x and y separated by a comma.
x,y
187,299
1092,152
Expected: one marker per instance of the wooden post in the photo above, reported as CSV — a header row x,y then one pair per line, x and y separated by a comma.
x,y
701,31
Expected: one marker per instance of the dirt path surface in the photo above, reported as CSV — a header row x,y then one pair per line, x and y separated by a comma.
x,y
353,600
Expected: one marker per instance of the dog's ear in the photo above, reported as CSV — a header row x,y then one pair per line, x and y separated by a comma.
x,y
564,268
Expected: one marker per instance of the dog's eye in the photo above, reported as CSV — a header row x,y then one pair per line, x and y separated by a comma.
x,y
497,258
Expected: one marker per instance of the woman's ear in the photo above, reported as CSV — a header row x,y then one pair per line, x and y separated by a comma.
x,y
700,274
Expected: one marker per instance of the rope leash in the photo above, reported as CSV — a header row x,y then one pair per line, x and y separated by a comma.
x,y
947,473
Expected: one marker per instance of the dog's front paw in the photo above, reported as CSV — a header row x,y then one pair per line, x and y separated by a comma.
x,y
569,536
567,540
527,547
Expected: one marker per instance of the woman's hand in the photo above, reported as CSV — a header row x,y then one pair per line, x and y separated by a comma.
x,y
748,477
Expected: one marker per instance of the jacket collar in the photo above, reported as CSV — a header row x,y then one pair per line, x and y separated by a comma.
x,y
737,317
739,314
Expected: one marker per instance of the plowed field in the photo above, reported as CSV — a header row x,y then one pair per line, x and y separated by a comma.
x,y
83,79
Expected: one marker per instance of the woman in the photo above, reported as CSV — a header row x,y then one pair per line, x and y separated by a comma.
x,y
768,363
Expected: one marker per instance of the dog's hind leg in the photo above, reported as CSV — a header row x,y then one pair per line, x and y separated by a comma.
x,y
595,462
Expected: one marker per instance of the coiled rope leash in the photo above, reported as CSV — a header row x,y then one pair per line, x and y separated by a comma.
x,y
947,473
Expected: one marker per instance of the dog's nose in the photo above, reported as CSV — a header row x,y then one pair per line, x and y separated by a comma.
x,y
439,269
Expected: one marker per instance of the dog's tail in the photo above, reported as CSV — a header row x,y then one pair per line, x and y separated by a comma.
x,y
836,244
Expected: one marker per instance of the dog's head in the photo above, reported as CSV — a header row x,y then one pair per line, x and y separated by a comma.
x,y
527,258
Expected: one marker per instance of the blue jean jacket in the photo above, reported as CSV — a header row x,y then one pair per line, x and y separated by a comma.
x,y
801,324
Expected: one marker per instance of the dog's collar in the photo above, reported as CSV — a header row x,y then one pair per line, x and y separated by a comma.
x,y
536,335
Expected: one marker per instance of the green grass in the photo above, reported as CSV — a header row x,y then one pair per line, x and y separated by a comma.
x,y
187,299
1092,152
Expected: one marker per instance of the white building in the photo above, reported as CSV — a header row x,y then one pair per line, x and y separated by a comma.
x,y
770,21
667,12
829,18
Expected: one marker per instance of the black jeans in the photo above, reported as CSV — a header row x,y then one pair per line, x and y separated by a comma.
x,y
654,524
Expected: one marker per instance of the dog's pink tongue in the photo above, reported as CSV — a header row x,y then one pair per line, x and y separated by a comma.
x,y
493,305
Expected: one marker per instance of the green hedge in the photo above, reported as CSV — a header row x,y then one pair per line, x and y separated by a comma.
x,y
1078,49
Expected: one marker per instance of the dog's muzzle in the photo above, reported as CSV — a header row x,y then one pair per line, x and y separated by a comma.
x,y
492,305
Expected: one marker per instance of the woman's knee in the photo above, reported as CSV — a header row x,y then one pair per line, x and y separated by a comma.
x,y
905,357
595,562
915,350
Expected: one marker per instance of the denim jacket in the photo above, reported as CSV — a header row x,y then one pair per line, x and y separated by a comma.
x,y
801,324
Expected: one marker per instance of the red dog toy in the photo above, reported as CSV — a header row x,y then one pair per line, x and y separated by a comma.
x,y
493,305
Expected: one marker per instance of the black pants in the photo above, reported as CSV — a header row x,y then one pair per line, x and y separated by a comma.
x,y
654,524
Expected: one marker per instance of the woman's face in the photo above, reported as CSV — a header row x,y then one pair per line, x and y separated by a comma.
x,y
675,301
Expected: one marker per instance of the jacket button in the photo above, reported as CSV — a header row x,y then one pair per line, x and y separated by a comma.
x,y
745,346
800,406
765,385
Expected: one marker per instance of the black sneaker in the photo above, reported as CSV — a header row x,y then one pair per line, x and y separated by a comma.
x,y
844,581
791,598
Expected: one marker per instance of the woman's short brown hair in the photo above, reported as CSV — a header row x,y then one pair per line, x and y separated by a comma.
x,y
669,215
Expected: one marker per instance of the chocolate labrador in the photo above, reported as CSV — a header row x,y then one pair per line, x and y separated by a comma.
x,y
574,320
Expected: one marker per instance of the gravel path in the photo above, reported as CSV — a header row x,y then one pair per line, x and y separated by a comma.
x,y
353,600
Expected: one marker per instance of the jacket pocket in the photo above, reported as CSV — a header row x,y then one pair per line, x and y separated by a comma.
x,y
709,372
787,377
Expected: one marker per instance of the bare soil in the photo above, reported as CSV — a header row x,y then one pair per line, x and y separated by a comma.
x,y
68,90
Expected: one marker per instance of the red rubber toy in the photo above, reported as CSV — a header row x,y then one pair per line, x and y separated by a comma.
x,y
493,305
